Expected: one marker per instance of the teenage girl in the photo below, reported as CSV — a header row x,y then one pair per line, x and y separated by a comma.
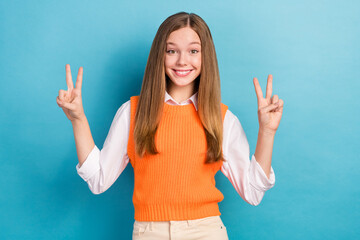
x,y
177,134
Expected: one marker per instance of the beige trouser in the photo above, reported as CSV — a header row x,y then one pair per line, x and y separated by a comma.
x,y
204,228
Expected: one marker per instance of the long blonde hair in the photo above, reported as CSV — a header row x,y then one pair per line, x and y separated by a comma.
x,y
151,100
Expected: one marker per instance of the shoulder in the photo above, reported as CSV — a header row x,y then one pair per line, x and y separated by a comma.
x,y
229,116
224,106
134,98
133,102
231,121
223,110
123,111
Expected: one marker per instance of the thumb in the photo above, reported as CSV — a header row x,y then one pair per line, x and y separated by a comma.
x,y
66,105
270,107
77,92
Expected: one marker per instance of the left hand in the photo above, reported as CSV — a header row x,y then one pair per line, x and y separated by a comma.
x,y
269,108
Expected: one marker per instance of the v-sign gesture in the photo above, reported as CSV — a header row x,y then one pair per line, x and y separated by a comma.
x,y
269,108
70,101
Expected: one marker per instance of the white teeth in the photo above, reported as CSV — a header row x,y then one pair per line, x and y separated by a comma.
x,y
182,72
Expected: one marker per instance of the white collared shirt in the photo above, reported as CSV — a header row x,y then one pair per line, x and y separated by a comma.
x,y
101,168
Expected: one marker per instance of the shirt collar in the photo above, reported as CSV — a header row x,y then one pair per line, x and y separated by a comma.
x,y
192,99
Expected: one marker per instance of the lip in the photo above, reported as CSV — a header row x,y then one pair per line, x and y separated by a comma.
x,y
176,71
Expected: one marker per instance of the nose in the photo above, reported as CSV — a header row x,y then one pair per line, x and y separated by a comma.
x,y
181,61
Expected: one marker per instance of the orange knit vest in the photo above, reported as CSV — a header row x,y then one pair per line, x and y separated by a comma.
x,y
175,184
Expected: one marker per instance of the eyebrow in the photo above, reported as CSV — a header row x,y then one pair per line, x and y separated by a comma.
x,y
189,43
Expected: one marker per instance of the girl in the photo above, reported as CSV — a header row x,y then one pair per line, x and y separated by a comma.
x,y
177,134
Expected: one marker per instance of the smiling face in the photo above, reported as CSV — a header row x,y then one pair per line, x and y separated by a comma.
x,y
182,62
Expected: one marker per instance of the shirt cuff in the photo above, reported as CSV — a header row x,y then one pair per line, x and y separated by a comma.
x,y
90,166
258,178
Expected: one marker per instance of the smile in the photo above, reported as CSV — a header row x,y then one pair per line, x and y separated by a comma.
x,y
182,73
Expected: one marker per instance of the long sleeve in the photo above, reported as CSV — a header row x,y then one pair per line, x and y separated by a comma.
x,y
101,168
247,177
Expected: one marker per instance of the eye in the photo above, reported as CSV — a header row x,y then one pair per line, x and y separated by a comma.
x,y
171,51
194,51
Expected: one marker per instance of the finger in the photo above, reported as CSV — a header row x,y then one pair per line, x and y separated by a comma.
x,y
269,87
79,78
280,107
66,105
258,91
65,96
270,107
69,81
76,93
281,103
275,99
58,101
62,95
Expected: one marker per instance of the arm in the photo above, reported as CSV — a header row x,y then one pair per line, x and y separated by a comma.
x,y
247,177
83,139
269,113
98,168
263,151
101,168
71,103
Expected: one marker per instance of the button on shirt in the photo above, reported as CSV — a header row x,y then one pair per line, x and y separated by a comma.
x,y
102,167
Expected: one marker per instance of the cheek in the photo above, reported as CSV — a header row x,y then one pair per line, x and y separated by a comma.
x,y
197,62
169,62
166,62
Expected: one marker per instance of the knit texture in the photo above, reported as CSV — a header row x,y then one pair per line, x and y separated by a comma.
x,y
175,184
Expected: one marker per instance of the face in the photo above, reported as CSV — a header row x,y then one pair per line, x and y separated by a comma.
x,y
183,59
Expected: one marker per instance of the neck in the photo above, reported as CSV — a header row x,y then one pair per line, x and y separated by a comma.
x,y
180,94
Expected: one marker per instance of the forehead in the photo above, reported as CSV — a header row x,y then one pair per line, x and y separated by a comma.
x,y
183,36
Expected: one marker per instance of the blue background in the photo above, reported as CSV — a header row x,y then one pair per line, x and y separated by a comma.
x,y
311,48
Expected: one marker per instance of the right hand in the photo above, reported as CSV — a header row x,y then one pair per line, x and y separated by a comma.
x,y
70,101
